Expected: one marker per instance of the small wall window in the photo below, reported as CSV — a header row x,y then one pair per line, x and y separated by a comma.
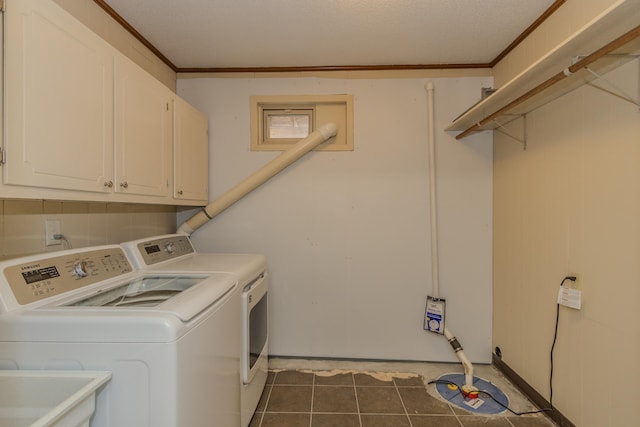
x,y
277,122
286,125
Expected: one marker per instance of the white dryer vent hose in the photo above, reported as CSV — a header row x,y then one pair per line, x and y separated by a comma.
x,y
259,177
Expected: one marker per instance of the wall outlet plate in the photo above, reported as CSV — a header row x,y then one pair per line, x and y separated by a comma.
x,y
569,297
51,227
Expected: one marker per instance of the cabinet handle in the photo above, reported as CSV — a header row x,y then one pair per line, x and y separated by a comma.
x,y
108,184
180,192
124,184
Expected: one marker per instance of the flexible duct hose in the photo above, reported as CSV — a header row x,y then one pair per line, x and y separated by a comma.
x,y
259,177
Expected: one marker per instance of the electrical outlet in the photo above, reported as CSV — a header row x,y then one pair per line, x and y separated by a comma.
x,y
51,227
571,298
574,284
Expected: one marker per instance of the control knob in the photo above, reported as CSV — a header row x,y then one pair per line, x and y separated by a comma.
x,y
170,248
80,269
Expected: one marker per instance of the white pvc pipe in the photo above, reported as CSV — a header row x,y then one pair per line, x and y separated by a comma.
x,y
435,274
466,363
433,217
259,177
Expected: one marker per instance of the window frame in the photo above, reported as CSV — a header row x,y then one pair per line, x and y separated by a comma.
x,y
337,109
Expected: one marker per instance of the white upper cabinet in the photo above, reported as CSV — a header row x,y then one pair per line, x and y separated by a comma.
x,y
84,122
191,153
59,100
143,131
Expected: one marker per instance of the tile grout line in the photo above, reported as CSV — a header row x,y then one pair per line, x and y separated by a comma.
x,y
509,421
355,392
450,405
266,402
452,409
406,413
313,392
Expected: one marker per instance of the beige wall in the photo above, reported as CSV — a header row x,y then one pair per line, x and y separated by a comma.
x,y
570,204
22,224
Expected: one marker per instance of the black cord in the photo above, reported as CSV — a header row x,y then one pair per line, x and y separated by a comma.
x,y
511,410
555,337
64,239
486,393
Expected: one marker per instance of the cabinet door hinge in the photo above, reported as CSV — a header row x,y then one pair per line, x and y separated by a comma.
x,y
2,6
2,156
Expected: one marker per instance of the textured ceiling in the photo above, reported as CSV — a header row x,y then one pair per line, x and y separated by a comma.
x,y
319,33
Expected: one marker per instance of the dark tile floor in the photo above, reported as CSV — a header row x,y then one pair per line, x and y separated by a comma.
x,y
323,399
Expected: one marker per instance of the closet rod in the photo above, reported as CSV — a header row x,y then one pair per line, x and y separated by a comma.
x,y
584,62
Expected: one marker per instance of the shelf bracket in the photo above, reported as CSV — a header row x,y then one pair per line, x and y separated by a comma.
x,y
503,130
615,91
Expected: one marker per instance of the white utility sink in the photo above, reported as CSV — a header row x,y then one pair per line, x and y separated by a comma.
x,y
48,398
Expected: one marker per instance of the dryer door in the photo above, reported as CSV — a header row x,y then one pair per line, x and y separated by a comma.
x,y
255,327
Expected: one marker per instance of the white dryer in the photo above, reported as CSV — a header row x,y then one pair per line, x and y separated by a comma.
x,y
170,340
175,254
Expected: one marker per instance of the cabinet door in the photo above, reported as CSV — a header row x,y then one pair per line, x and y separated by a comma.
x,y
59,92
191,153
143,131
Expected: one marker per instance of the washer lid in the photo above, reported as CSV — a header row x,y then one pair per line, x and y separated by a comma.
x,y
182,295
145,291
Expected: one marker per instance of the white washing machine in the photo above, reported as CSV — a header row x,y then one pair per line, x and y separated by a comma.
x,y
170,340
175,254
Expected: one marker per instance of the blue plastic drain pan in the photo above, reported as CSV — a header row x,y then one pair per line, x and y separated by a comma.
x,y
482,405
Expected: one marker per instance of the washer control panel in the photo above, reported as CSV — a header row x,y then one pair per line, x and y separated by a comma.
x,y
39,279
164,248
